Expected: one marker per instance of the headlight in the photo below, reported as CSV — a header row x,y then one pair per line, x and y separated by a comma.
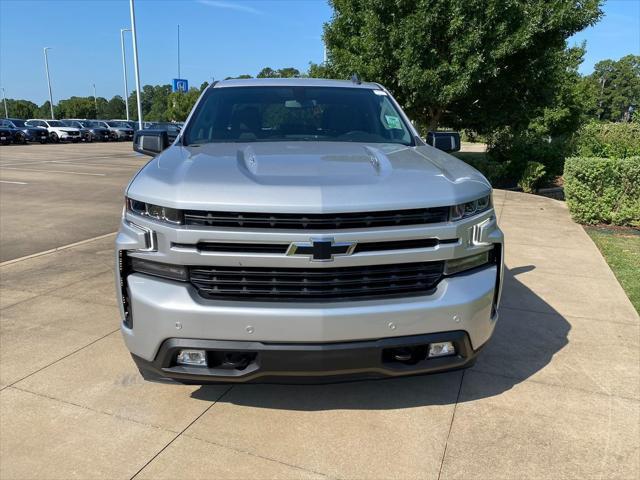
x,y
469,209
164,214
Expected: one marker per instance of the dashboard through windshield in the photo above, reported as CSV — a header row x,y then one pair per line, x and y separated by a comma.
x,y
263,114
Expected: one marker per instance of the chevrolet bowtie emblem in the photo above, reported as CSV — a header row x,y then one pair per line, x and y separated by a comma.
x,y
321,250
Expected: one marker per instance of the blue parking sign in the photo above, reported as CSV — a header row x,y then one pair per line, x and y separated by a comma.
x,y
180,85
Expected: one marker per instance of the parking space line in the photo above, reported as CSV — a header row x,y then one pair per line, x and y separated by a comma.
x,y
57,249
72,162
14,183
115,157
54,171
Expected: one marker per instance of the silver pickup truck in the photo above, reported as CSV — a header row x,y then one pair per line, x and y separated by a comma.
x,y
300,230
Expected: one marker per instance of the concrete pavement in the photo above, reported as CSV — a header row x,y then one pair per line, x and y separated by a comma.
x,y
555,394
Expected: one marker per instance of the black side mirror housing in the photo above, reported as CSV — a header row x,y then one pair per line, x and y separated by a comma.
x,y
445,141
150,142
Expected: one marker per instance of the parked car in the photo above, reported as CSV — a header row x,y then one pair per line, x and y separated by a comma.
x,y
85,133
133,124
120,130
58,131
300,230
24,133
172,129
99,132
6,135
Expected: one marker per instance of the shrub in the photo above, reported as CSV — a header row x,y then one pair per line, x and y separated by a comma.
x,y
617,140
496,172
518,149
532,176
603,190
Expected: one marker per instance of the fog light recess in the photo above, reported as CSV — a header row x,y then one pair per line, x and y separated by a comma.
x,y
441,349
196,358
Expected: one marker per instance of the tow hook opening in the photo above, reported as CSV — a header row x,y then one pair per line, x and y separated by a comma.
x,y
405,355
230,360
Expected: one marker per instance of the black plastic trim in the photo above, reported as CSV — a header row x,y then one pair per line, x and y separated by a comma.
x,y
306,363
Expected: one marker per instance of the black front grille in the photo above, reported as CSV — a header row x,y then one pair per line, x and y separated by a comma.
x,y
317,221
316,284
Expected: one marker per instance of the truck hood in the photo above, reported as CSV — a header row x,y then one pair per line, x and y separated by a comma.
x,y
305,177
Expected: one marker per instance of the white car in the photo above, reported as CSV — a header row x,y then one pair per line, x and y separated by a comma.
x,y
57,130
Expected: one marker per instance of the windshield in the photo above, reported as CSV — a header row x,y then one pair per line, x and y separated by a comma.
x,y
18,123
259,114
55,123
118,124
72,123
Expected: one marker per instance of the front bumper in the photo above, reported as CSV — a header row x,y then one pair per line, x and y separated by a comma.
x,y
164,312
306,363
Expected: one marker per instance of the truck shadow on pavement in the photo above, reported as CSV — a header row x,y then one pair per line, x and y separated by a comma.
x,y
528,334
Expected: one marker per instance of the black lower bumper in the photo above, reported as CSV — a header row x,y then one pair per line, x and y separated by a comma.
x,y
240,362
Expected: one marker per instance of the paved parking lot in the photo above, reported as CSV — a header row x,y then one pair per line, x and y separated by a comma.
x,y
556,393
53,195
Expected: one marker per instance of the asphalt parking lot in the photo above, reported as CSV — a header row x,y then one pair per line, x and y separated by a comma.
x,y
555,394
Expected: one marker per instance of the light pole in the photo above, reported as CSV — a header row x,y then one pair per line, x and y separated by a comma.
x,y
46,67
4,99
124,70
135,61
179,51
95,100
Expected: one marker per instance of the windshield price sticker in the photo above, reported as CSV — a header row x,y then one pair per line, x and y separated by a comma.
x,y
393,122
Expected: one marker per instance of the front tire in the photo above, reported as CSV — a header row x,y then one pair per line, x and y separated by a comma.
x,y
54,137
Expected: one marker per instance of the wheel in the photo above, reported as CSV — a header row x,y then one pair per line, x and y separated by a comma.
x,y
21,139
54,137
43,141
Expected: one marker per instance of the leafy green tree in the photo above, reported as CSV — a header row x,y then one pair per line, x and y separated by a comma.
x,y
244,75
116,108
617,87
267,72
44,111
102,110
181,103
481,63
288,72
77,107
21,108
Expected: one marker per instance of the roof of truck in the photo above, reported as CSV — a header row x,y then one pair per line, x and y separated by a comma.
x,y
294,82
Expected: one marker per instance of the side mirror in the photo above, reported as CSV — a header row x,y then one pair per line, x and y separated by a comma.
x,y
150,142
445,141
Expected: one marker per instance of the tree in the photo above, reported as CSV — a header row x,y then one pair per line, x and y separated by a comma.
x,y
267,72
154,102
116,108
481,63
21,108
77,107
288,72
181,103
618,86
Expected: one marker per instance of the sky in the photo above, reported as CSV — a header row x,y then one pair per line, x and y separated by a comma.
x,y
219,38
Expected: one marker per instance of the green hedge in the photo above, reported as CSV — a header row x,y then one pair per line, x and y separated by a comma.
x,y
603,190
619,140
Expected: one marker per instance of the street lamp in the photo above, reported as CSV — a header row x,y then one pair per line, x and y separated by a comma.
x,y
124,70
46,67
135,61
95,100
4,99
